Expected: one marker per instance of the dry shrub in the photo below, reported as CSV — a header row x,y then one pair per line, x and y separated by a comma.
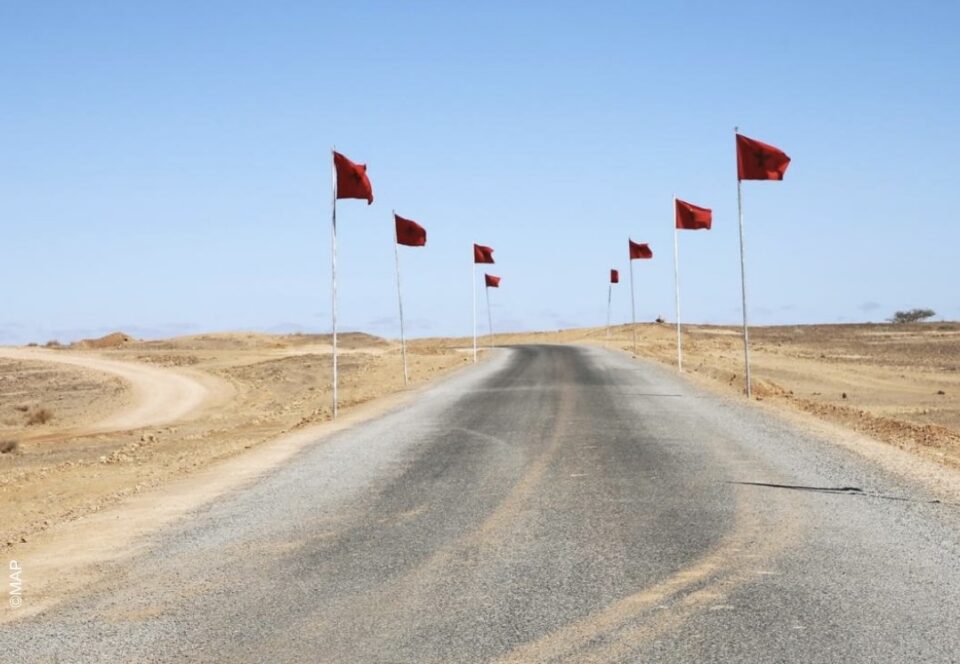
x,y
39,416
9,446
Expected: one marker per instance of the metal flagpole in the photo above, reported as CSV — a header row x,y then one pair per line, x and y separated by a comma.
x,y
489,317
676,281
333,281
473,285
633,309
403,339
609,304
743,286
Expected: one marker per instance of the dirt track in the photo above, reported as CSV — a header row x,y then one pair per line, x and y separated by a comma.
x,y
156,396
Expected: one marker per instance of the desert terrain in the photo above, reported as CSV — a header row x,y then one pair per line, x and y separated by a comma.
x,y
82,427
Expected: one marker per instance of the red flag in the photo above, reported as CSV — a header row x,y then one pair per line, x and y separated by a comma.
x,y
692,217
352,180
759,161
638,250
409,233
614,277
482,254
491,281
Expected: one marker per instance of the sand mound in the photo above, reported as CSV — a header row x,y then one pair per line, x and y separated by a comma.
x,y
219,341
113,340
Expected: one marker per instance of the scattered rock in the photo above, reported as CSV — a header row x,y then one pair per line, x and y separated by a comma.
x,y
843,396
941,392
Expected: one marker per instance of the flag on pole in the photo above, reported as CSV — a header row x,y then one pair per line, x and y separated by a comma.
x,y
755,161
482,254
692,217
614,279
639,250
688,217
409,232
349,180
352,180
759,161
490,281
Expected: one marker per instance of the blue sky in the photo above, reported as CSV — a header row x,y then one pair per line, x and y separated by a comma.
x,y
164,167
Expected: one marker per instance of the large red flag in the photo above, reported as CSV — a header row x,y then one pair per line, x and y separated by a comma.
x,y
352,180
409,232
693,217
491,281
482,254
759,161
614,276
638,250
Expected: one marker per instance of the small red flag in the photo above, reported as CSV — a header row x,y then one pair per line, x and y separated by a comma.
x,y
352,180
638,250
614,277
692,217
759,161
409,232
482,254
492,281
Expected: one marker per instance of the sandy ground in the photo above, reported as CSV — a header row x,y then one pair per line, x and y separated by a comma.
x,y
122,416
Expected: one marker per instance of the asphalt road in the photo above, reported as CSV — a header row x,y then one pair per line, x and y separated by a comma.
x,y
556,504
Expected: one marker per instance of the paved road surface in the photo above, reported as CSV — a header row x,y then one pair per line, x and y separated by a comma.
x,y
557,504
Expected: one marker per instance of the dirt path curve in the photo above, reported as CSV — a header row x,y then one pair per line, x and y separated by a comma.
x,y
159,395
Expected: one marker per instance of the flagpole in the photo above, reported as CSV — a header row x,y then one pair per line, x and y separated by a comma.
x,y
333,281
743,286
403,339
473,284
633,309
676,281
489,317
609,301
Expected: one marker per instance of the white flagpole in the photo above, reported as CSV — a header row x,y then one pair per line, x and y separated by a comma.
x,y
333,281
676,281
473,285
743,287
403,339
489,317
633,309
609,301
